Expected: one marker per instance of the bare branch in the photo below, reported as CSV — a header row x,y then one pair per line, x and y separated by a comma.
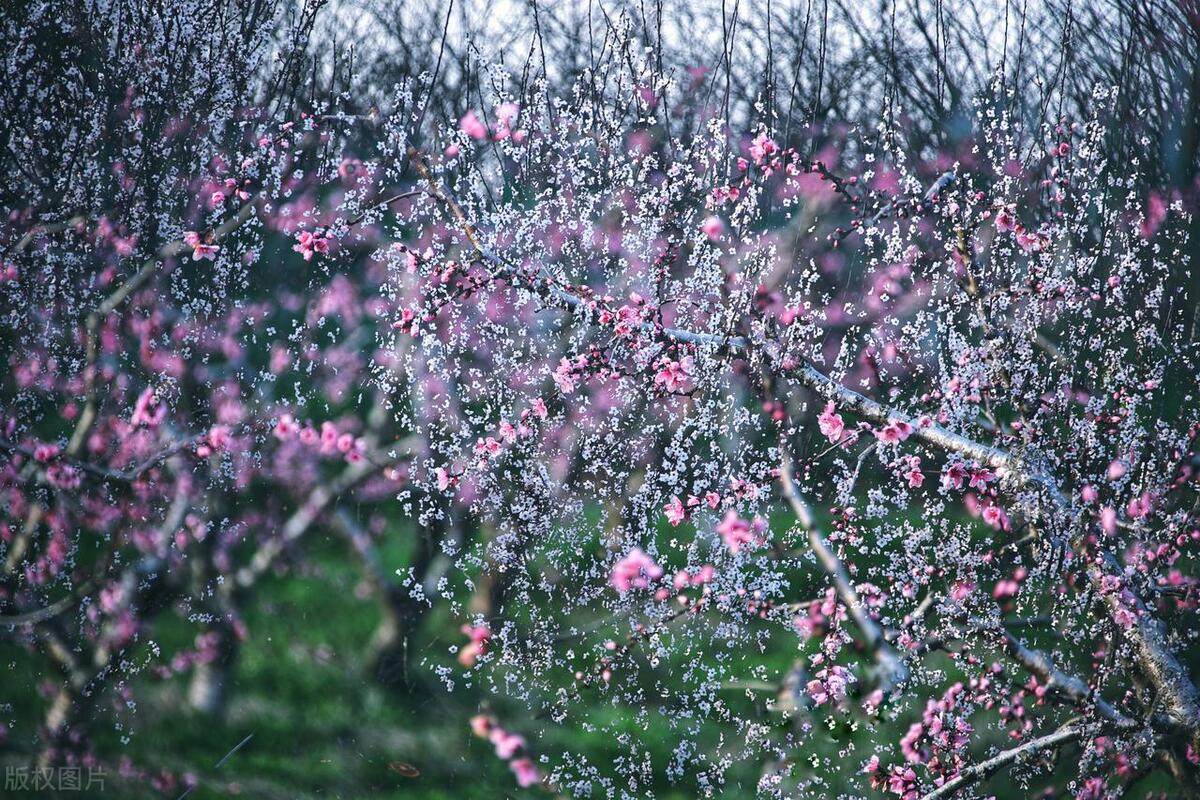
x,y
985,769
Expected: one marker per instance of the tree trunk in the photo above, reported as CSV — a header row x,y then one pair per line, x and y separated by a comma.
x,y
386,659
209,689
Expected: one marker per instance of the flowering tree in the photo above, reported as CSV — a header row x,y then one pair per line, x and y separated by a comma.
x,y
776,443
174,419
671,356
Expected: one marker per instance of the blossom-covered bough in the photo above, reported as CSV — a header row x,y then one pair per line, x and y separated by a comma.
x,y
1004,326
175,417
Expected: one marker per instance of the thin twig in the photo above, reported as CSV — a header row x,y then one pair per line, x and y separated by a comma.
x,y
984,769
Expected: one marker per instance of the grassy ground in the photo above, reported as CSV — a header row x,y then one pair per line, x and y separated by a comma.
x,y
317,726
312,726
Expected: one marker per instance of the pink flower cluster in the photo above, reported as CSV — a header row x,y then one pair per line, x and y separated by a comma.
x,y
445,479
510,747
672,376
712,227
737,532
830,684
683,579
105,233
677,510
568,373
219,438
938,741
64,476
820,615
506,118
940,738
1010,587
762,148
1029,241
328,439
957,473
148,411
635,571
218,193
894,432
309,243
626,319
910,470
479,635
831,424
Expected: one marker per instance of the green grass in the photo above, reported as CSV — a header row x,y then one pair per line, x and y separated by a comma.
x,y
320,728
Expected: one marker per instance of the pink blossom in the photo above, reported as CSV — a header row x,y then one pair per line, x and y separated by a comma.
x,y
1108,520
285,427
1139,506
1009,587
64,476
472,126
911,471
506,116
1006,219
565,375
675,511
507,744
737,532
961,590
477,645
1156,214
894,432
487,447
1125,616
482,725
219,437
954,476
148,411
830,685
444,479
635,571
831,424
683,579
980,478
405,323
762,148
527,774
712,227
308,243
673,375
44,452
1029,241
996,516
329,437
